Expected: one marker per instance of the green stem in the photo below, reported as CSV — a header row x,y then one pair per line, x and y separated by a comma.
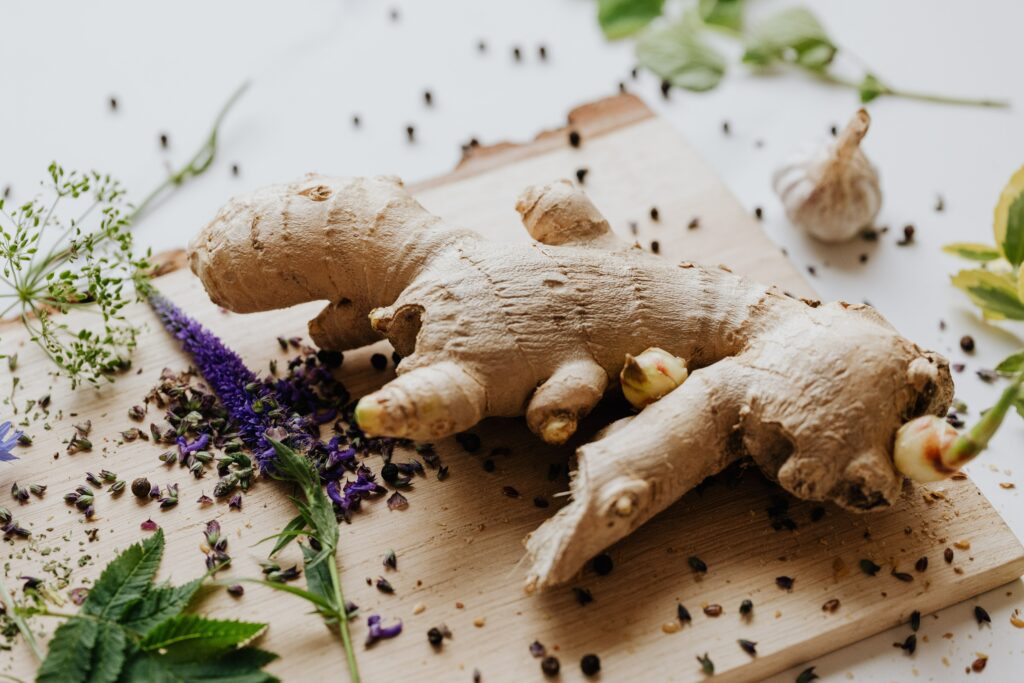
x,y
968,446
832,78
19,621
199,162
346,639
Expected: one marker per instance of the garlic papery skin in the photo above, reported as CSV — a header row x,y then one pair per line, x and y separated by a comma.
x,y
923,449
833,192
650,375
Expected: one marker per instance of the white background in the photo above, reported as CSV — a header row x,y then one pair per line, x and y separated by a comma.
x,y
315,64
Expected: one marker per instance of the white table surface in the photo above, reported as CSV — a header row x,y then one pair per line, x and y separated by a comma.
x,y
315,64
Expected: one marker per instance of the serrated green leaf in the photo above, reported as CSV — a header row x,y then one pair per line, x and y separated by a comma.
x,y
1013,240
794,35
108,655
318,509
995,293
973,251
240,666
159,604
675,53
126,579
70,653
621,18
728,13
191,637
1011,364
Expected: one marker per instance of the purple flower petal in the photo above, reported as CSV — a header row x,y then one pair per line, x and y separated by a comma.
x,y
378,632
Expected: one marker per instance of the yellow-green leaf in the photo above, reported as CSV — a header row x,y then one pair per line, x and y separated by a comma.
x,y
1011,364
621,18
728,13
675,53
995,293
973,251
1009,218
792,34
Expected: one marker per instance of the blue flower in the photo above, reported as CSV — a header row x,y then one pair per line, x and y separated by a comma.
x,y
378,632
8,442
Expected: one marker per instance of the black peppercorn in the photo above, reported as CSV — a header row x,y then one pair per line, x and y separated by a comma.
x,y
435,637
574,138
141,488
379,361
590,664
581,174
967,343
654,213
603,564
163,140
550,666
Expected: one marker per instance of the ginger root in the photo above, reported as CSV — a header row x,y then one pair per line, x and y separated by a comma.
x,y
813,394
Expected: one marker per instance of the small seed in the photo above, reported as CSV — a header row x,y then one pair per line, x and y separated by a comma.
x,y
981,615
922,564
967,343
713,610
748,646
784,582
947,555
830,606
915,620
869,567
590,665
550,666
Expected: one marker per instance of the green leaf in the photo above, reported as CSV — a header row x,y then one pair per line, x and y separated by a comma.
x,y
973,251
190,637
290,531
318,582
728,13
1013,241
994,293
793,35
108,655
159,604
239,666
70,655
871,88
1012,364
126,579
318,509
313,598
676,54
621,18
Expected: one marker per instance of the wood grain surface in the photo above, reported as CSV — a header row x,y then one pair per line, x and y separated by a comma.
x,y
459,542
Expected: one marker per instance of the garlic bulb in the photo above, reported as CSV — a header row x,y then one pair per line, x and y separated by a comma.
x,y
833,192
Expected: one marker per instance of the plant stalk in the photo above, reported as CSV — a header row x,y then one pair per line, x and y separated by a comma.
x,y
346,638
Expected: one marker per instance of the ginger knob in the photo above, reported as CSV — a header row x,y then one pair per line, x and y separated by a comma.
x,y
833,192
923,448
650,375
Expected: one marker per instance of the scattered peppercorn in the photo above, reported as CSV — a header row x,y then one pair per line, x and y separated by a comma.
x,y
785,582
574,138
384,586
758,212
469,441
654,213
817,513
725,127
379,361
655,247
967,343
746,607
113,103
603,564
581,174
915,620
903,576
237,590
869,567
235,170
981,615
683,614
940,204
356,121
517,54
921,564
550,666
410,133
665,88
908,236
428,98
748,646
834,131
542,52
697,564
435,637
141,488
694,223
540,502
590,664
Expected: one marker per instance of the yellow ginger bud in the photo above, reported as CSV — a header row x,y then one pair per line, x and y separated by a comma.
x,y
649,376
924,449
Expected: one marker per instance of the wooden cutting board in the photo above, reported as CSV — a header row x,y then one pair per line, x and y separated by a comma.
x,y
459,542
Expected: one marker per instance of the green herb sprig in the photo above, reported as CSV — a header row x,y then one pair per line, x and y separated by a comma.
x,y
132,631
50,265
317,522
675,50
997,288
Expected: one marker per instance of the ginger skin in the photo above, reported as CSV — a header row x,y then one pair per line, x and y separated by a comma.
x,y
813,394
